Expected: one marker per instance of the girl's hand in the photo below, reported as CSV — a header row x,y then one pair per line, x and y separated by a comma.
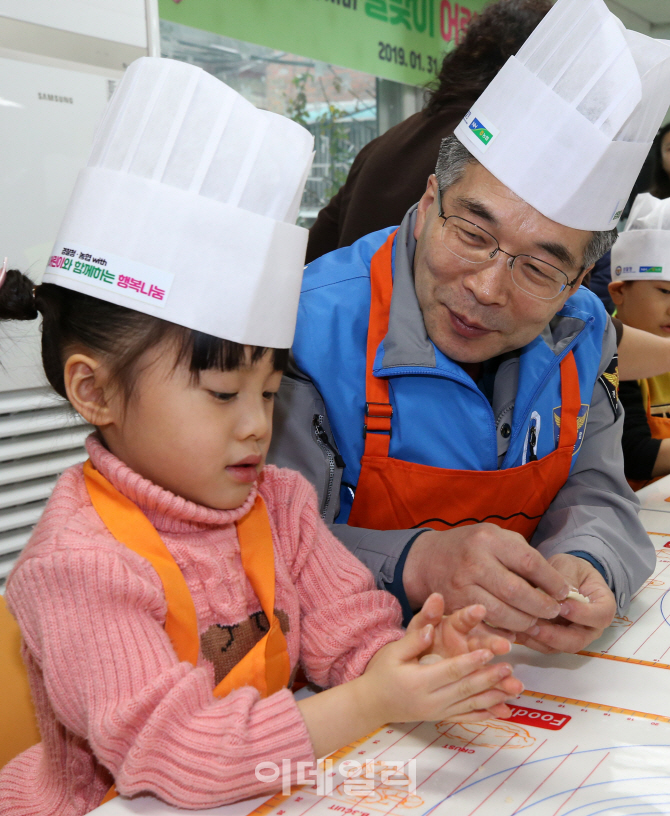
x,y
397,688
460,632
464,630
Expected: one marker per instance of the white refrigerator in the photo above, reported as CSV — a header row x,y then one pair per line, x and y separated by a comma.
x,y
59,63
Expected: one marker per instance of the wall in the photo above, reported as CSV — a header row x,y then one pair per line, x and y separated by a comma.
x,y
121,21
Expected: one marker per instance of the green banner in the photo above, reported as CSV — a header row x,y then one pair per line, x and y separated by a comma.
x,y
402,40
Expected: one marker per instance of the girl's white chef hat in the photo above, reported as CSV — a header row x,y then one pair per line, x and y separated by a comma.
x,y
187,207
642,251
568,121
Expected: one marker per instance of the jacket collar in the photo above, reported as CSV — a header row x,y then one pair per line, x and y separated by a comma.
x,y
407,342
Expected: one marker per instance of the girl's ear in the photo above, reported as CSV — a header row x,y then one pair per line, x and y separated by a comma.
x,y
87,385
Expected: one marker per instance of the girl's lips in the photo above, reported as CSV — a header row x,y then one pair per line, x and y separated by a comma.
x,y
246,474
246,470
252,459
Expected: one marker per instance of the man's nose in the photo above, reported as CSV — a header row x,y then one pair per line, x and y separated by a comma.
x,y
489,282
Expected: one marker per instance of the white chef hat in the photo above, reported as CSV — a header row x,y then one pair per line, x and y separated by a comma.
x,y
186,210
567,123
642,251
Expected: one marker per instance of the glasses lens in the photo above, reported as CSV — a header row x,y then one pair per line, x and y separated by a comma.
x,y
537,278
467,241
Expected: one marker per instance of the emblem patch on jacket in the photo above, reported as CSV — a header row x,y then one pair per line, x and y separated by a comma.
x,y
582,418
610,381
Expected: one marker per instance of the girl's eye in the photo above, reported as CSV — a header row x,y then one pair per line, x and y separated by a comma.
x,y
222,397
269,395
664,291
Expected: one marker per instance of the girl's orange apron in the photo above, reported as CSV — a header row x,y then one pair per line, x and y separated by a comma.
x,y
660,429
267,665
395,495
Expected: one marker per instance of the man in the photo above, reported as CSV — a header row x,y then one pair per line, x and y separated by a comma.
x,y
456,380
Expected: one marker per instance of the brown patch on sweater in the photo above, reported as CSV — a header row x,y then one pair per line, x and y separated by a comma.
x,y
225,646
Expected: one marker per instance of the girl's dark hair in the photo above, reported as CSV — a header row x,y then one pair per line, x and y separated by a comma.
x,y
73,321
660,183
491,39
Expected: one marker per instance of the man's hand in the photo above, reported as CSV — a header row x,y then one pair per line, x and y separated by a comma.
x,y
484,564
580,623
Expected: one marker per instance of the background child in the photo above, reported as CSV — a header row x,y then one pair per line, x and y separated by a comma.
x,y
640,290
174,583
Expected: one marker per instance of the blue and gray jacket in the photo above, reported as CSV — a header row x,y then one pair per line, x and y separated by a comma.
x,y
444,419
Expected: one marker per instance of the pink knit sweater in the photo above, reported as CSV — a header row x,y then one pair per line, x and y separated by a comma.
x,y
112,699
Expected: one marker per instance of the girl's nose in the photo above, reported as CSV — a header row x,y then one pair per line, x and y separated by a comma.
x,y
255,420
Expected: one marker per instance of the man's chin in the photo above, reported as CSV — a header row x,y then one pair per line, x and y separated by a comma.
x,y
468,351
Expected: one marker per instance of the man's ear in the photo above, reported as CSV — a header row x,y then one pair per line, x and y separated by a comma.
x,y
579,281
425,202
616,291
87,385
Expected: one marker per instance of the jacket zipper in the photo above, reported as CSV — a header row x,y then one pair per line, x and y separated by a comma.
x,y
556,363
532,457
333,459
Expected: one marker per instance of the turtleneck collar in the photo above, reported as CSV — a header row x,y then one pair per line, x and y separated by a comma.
x,y
165,510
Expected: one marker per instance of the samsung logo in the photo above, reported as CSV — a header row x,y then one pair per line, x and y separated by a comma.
x,y
55,98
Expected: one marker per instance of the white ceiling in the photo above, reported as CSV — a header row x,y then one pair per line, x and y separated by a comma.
x,y
648,16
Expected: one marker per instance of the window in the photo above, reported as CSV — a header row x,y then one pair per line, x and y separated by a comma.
x,y
337,105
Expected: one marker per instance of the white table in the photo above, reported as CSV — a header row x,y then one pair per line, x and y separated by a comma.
x,y
149,806
653,497
614,683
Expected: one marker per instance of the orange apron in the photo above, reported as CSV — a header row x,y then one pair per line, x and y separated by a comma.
x,y
395,495
267,666
660,429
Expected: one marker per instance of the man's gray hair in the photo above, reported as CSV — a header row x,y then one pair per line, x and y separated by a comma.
x,y
451,164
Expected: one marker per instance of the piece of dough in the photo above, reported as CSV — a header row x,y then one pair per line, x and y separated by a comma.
x,y
575,595
426,660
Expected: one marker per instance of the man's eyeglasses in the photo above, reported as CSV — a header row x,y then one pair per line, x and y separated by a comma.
x,y
475,245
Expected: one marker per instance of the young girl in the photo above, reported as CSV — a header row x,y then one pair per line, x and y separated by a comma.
x,y
174,583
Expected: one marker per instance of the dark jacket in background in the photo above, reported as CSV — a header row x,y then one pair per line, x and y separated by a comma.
x,y
640,449
599,280
387,177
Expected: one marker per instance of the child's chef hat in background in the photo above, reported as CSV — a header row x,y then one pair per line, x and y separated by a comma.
x,y
642,251
568,121
186,210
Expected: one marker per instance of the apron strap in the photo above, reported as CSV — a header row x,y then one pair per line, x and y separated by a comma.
x,y
659,426
128,524
645,387
570,402
378,409
267,666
